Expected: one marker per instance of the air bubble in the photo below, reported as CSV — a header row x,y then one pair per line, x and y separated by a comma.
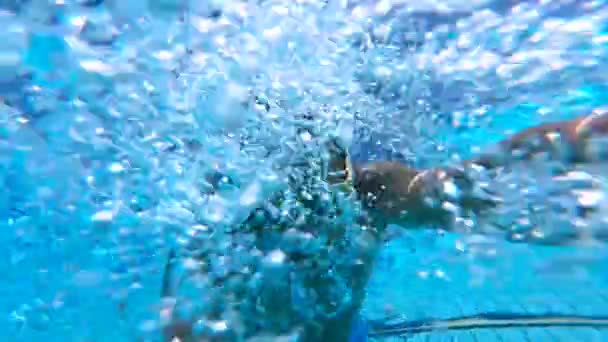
x,y
103,216
12,47
117,111
99,30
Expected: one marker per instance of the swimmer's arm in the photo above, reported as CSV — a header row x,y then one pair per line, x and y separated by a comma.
x,y
400,194
397,191
568,139
411,197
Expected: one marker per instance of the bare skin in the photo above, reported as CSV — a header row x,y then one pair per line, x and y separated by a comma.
x,y
397,194
397,191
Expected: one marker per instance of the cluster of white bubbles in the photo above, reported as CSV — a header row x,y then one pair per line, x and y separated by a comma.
x,y
131,128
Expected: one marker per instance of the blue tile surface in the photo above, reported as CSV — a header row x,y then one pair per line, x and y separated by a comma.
x,y
436,281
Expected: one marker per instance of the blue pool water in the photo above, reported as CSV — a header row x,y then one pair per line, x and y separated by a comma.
x,y
114,115
425,284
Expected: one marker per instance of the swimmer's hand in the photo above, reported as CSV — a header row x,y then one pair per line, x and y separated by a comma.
x,y
339,170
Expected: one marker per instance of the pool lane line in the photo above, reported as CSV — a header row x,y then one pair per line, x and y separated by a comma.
x,y
487,321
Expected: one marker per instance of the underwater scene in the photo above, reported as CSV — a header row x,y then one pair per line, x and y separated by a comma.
x,y
303,170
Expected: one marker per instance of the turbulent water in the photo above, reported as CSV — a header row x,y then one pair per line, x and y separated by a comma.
x,y
130,128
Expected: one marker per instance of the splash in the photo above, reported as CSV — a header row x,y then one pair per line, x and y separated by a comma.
x,y
132,128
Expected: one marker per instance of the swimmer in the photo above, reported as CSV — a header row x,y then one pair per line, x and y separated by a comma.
x,y
400,193
396,193
393,193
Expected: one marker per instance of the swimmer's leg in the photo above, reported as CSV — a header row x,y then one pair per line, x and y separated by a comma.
x,y
340,327
175,329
